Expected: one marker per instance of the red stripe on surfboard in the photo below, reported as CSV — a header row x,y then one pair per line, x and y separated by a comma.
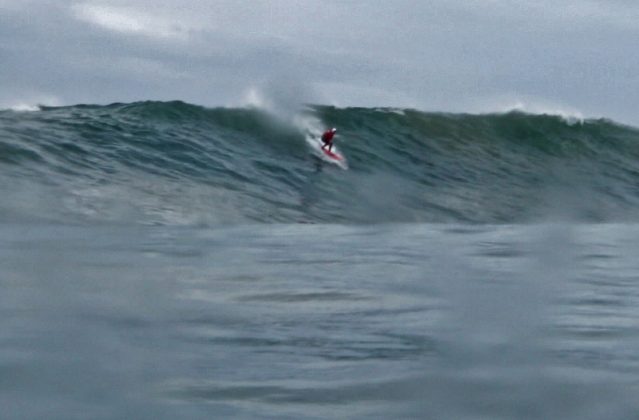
x,y
331,154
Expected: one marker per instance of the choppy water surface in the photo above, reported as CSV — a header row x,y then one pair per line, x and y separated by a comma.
x,y
319,321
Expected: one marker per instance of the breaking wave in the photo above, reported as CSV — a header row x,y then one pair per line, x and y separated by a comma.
x,y
176,163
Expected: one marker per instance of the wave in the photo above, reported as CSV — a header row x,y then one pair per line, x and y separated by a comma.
x,y
178,163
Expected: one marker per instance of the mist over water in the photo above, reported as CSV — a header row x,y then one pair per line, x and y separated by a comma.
x,y
164,260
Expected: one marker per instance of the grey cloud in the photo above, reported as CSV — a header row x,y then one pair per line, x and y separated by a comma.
x,y
464,55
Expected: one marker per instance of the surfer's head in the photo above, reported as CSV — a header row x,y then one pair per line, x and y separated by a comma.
x,y
333,130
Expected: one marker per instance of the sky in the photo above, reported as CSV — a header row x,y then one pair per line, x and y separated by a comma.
x,y
574,57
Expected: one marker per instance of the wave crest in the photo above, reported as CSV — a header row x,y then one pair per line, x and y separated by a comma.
x,y
177,163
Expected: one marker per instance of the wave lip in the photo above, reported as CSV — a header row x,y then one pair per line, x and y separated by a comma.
x,y
177,163
23,108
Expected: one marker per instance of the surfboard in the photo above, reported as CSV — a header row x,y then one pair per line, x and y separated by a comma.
x,y
333,156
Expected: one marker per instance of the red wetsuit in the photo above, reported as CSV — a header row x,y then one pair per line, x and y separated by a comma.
x,y
327,138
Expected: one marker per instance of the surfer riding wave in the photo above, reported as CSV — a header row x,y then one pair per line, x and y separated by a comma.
x,y
327,138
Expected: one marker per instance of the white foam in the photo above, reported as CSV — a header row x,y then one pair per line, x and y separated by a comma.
x,y
398,111
528,105
569,115
29,103
24,107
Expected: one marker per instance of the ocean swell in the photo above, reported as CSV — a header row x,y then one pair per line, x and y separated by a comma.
x,y
181,164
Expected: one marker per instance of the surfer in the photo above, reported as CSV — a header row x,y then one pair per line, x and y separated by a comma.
x,y
327,138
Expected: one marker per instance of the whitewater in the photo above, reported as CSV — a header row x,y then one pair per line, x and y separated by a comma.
x,y
167,260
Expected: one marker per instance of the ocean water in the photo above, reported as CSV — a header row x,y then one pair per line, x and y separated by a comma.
x,y
163,260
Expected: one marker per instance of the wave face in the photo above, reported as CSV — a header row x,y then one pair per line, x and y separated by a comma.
x,y
180,164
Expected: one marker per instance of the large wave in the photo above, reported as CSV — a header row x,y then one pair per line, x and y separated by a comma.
x,y
176,163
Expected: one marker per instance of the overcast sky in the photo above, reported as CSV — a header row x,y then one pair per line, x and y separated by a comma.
x,y
576,56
